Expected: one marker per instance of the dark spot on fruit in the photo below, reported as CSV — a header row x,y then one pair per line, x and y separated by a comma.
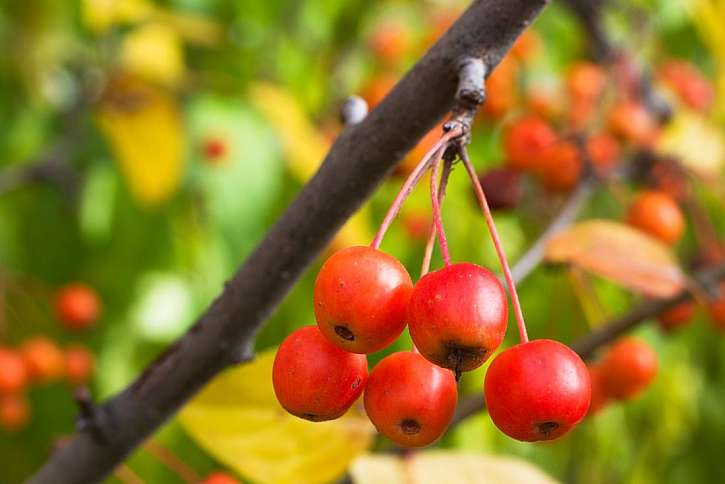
x,y
410,426
344,333
461,358
311,417
547,428
356,383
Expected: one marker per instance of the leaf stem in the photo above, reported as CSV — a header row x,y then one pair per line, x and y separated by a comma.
x,y
411,182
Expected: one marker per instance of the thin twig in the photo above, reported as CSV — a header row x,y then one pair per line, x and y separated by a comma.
x,y
428,254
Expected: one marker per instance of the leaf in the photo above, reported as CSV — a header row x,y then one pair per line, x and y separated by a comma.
x,y
304,146
101,15
142,125
697,142
238,420
621,253
435,466
240,189
154,52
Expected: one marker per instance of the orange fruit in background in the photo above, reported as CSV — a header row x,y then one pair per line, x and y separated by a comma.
x,y
13,374
632,122
690,85
603,151
390,42
501,89
79,364
526,46
77,306
525,141
677,316
43,359
657,214
377,88
716,309
14,411
560,167
599,395
628,368
586,80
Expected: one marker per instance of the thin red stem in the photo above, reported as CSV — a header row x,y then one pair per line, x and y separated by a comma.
x,y
410,183
523,336
428,254
437,220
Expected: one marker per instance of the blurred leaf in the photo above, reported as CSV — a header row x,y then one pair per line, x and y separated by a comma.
x,y
303,144
619,252
435,466
708,17
240,188
193,28
142,125
698,143
154,52
238,420
100,15
98,198
163,309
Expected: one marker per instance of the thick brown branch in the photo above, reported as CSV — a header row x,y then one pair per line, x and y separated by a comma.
x,y
347,177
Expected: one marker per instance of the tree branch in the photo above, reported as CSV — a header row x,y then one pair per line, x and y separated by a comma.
x,y
347,177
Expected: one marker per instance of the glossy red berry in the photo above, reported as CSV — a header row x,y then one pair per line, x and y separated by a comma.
x,y
77,306
360,299
314,379
219,478
657,214
628,368
79,363
13,374
677,316
43,359
524,141
502,187
537,390
410,400
457,316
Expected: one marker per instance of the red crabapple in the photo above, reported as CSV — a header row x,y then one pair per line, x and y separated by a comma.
x,y
537,390
314,379
628,368
13,374
410,400
457,316
77,306
360,299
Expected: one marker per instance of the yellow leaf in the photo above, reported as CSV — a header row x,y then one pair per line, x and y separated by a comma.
x,y
304,146
304,149
100,15
238,420
142,125
621,253
154,52
193,27
436,466
708,17
696,142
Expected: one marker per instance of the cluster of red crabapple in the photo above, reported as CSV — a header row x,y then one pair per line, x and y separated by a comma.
x,y
39,360
456,316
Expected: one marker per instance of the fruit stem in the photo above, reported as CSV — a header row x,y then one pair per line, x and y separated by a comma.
x,y
410,183
437,220
428,254
481,196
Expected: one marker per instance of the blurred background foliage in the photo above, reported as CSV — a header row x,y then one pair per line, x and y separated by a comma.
x,y
173,133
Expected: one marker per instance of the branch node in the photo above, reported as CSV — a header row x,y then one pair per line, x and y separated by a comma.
x,y
91,418
470,94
